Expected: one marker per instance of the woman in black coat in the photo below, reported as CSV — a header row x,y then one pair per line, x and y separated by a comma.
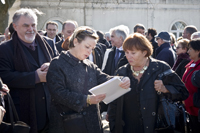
x,y
69,78
183,57
135,112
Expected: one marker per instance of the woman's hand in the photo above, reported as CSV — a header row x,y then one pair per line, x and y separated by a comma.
x,y
125,83
96,99
159,86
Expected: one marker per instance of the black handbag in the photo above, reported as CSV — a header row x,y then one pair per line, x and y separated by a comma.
x,y
15,126
171,116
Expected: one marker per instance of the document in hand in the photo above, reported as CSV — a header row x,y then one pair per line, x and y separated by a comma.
x,y
111,88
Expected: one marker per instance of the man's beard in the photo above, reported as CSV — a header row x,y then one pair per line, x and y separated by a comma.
x,y
30,39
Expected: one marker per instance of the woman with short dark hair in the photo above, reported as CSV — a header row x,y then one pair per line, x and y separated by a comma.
x,y
135,112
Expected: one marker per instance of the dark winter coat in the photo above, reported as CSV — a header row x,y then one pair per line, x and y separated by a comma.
x,y
110,67
29,98
146,98
155,46
181,62
66,80
166,53
58,46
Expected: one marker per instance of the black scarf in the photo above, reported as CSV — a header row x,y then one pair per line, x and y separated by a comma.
x,y
180,58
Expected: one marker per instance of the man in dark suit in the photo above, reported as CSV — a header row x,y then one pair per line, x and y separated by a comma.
x,y
116,55
51,31
68,29
24,62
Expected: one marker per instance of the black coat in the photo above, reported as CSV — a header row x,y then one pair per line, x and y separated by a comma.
x,y
58,39
58,46
181,67
52,44
18,81
146,99
155,46
66,80
166,53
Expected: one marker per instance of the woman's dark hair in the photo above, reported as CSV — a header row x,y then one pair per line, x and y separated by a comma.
x,y
195,44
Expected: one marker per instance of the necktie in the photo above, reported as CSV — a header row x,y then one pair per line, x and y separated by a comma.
x,y
116,57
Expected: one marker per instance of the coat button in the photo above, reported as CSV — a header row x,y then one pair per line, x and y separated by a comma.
x,y
147,127
144,108
153,113
43,97
77,102
141,89
84,113
52,99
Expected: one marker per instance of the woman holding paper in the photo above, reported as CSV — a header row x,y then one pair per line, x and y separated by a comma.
x,y
69,78
135,112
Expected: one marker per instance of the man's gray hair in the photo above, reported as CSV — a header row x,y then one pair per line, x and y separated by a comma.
x,y
32,13
107,34
195,35
120,31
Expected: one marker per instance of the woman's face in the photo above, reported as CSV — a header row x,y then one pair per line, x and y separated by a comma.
x,y
194,54
135,57
180,49
83,50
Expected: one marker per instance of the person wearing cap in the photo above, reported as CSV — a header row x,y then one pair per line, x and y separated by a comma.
x,y
164,51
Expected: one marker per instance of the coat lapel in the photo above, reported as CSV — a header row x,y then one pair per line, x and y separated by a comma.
x,y
150,70
41,56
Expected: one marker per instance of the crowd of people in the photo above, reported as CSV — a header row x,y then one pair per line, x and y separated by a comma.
x,y
49,74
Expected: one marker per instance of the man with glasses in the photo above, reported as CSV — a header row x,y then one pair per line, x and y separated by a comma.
x,y
164,51
52,29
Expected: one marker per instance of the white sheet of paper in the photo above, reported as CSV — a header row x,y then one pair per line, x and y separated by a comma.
x,y
111,88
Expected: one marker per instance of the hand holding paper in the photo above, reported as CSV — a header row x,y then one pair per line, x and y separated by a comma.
x,y
125,83
112,88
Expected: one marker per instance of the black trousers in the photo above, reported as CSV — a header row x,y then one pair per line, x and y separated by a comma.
x,y
194,124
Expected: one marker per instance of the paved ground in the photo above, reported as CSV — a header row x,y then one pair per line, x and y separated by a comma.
x,y
105,123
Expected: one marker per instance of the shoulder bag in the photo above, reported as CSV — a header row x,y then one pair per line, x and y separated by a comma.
x,y
171,116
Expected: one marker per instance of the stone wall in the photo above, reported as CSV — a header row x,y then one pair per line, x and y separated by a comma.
x,y
105,14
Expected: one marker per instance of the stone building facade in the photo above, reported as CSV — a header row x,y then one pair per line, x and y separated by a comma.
x,y
163,15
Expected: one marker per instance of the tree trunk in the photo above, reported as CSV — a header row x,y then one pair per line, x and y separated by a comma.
x,y
4,14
